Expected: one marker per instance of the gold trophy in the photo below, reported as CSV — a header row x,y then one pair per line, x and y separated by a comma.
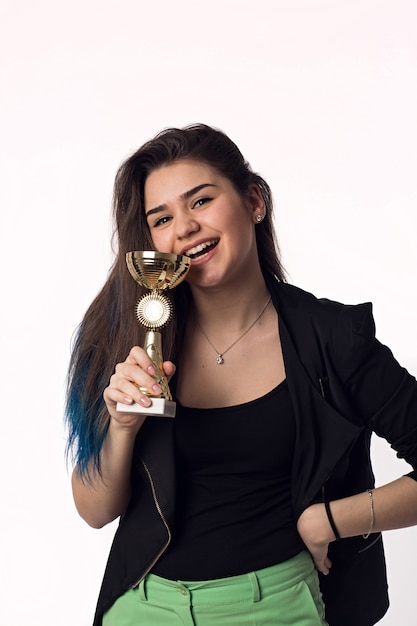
x,y
155,271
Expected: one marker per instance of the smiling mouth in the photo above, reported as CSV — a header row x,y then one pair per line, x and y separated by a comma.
x,y
202,249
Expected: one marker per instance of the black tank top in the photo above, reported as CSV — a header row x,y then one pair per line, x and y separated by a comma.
x,y
234,512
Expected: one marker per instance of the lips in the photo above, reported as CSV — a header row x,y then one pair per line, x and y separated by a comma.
x,y
201,249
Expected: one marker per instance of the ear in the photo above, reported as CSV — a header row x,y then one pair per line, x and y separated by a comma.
x,y
256,203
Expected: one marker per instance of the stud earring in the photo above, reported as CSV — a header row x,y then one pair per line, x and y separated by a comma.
x,y
259,218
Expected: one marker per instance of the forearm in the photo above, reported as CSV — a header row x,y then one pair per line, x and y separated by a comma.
x,y
105,496
394,506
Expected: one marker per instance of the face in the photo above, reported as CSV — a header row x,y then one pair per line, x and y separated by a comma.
x,y
191,209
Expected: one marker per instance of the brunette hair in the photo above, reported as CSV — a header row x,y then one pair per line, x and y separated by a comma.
x,y
109,329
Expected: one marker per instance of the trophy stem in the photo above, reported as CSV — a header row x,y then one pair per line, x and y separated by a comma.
x,y
153,346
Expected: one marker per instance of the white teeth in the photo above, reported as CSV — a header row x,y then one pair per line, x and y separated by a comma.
x,y
202,246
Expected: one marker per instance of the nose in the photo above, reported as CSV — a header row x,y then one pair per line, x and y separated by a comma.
x,y
186,226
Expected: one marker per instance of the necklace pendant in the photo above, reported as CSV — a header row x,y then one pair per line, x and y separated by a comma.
x,y
220,359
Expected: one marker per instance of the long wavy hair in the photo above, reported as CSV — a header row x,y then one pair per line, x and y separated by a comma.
x,y
109,328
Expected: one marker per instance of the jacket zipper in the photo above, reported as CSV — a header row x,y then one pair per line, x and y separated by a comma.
x,y
161,515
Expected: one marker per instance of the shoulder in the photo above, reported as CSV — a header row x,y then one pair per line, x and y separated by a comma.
x,y
297,301
346,329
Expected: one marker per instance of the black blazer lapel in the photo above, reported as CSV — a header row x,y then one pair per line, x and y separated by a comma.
x,y
323,435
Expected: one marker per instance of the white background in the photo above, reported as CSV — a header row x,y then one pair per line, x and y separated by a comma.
x,y
321,96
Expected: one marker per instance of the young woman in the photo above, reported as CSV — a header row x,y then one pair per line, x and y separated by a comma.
x,y
256,504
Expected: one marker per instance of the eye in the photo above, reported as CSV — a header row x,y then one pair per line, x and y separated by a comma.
x,y
161,221
200,202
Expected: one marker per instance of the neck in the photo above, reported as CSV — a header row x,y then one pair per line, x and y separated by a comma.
x,y
230,310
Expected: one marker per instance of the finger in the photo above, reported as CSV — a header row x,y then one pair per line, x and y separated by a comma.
x,y
321,567
128,384
134,373
169,369
328,562
139,356
139,388
324,566
127,392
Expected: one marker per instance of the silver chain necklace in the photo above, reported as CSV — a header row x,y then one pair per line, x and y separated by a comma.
x,y
220,355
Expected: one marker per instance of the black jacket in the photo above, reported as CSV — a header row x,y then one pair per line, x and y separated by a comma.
x,y
344,384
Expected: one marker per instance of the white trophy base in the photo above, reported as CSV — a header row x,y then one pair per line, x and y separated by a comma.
x,y
159,408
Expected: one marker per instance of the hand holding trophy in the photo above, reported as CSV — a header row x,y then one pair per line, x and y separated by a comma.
x,y
155,271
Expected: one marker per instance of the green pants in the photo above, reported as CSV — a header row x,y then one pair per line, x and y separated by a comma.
x,y
283,595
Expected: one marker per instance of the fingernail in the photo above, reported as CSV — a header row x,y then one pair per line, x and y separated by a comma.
x,y
145,401
151,370
127,400
156,388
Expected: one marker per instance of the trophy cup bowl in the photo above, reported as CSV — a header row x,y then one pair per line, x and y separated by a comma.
x,y
156,271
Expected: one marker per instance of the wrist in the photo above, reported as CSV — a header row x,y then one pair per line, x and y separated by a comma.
x,y
128,425
314,523
331,521
125,432
354,516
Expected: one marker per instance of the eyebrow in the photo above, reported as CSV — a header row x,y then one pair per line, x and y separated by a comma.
x,y
184,196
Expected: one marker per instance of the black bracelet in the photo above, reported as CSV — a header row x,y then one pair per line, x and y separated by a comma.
x,y
331,520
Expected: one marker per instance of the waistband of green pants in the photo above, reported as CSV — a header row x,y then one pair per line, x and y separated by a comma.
x,y
251,586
